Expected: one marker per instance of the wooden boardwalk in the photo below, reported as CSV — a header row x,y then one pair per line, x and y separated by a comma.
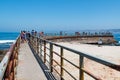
x,y
28,67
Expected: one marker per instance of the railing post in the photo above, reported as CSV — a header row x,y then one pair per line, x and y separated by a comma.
x,y
31,41
44,51
34,43
37,45
41,48
62,63
81,64
51,57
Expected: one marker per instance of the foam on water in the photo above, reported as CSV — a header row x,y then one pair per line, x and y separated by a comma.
x,y
7,41
5,44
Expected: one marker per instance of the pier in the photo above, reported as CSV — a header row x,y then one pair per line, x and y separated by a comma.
x,y
38,60
28,68
83,37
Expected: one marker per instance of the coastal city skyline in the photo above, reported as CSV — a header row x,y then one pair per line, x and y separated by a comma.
x,y
57,15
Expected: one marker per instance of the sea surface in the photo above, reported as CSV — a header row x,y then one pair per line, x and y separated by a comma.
x,y
7,38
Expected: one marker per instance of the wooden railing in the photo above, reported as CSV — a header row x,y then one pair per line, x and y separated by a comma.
x,y
45,50
9,62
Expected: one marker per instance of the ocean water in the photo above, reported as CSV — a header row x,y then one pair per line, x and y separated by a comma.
x,y
117,37
6,39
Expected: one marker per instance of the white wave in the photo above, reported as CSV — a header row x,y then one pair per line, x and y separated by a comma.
x,y
6,41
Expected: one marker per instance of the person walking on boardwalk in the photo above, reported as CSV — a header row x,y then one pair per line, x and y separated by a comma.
x,y
23,36
41,34
32,32
28,36
35,33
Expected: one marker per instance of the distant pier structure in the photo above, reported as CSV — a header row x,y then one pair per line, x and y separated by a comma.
x,y
84,37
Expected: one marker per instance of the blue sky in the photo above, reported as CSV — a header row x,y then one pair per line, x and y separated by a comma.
x,y
56,15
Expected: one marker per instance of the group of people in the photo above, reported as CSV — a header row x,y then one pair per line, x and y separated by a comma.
x,y
25,36
93,33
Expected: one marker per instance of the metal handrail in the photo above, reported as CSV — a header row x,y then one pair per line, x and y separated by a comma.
x,y
4,65
104,62
81,57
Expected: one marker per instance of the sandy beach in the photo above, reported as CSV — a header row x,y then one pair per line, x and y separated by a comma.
x,y
108,53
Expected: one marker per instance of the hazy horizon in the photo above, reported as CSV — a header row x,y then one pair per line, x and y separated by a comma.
x,y
53,31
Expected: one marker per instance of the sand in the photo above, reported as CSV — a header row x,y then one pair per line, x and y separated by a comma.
x,y
109,53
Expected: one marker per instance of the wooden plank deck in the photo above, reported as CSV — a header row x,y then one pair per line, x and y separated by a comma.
x,y
28,67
